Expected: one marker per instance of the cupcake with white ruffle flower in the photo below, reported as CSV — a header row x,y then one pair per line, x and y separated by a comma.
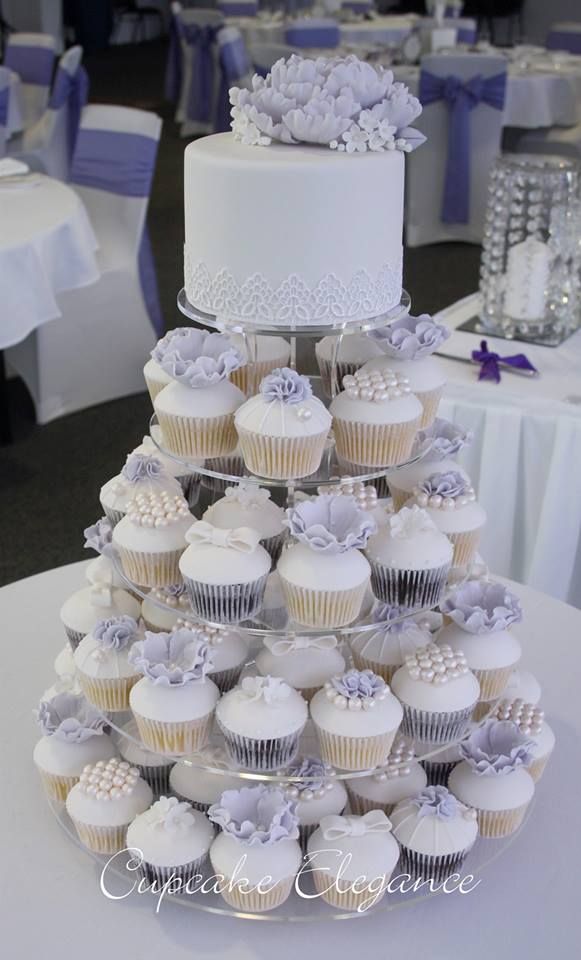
x,y
283,429
102,663
314,788
450,501
151,538
196,410
324,574
400,776
305,662
408,345
248,505
141,474
384,648
435,450
173,840
356,718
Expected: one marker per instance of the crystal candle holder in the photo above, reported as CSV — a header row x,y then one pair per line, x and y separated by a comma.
x,y
530,270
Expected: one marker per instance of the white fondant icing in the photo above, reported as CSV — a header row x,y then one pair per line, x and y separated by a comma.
x,y
92,659
501,792
108,813
178,400
371,855
208,563
164,847
280,860
356,348
390,648
118,493
302,668
433,836
415,547
82,610
65,759
264,516
386,715
484,651
333,801
172,703
457,694
355,410
391,790
279,419
260,720
322,571
423,375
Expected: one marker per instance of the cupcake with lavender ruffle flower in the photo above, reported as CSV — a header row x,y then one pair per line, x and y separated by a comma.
x,y
173,704
482,613
434,451
187,477
248,505
142,474
283,429
400,776
531,722
450,501
324,574
173,840
156,378
72,736
314,787
493,778
258,829
383,647
356,718
102,663
435,832
196,410
408,345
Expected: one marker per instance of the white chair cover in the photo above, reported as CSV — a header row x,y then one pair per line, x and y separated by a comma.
x,y
95,351
426,167
4,99
32,56
187,19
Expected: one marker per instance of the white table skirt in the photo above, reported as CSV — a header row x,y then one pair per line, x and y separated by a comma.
x,y
525,906
47,245
525,460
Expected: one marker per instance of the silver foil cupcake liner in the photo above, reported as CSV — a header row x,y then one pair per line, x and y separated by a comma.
x,y
190,484
408,588
438,771
261,754
435,728
306,830
114,516
421,866
156,777
74,637
182,873
226,679
273,546
226,603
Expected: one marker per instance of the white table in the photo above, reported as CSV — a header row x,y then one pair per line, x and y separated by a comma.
x,y
47,245
526,905
525,460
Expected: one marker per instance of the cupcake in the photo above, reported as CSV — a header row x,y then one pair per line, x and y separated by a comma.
x,y
188,479
305,663
343,356
438,694
408,345
352,860
154,768
410,560
314,788
283,429
492,777
435,833
152,537
262,355
438,761
99,601
66,675
248,505
173,704
202,778
356,719
375,419
384,647
451,503
258,829
399,777
72,737
141,475
436,447
108,796
196,411
228,652
173,842
262,721
225,572
532,724
101,570
324,575
155,377
164,606
481,614
102,663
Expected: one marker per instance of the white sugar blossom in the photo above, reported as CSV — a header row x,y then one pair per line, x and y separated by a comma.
x,y
355,140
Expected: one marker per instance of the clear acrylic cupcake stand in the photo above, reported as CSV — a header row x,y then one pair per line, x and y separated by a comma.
x,y
212,484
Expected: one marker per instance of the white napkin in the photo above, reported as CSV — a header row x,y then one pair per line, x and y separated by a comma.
x,y
13,168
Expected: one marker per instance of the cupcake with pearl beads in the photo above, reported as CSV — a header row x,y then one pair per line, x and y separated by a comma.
x,y
151,538
375,419
531,722
365,496
398,778
141,474
108,796
316,792
451,503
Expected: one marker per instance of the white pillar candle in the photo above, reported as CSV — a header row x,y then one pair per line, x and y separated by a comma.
x,y
526,280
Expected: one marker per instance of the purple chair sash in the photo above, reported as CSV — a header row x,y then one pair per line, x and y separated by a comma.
x,y
201,39
173,67
466,34
240,9
4,100
71,91
32,64
461,97
327,36
234,64
564,40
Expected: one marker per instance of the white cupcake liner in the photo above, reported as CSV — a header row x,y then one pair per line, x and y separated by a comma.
x,y
100,839
182,873
255,901
465,547
343,368
226,679
262,755
185,736
428,867
114,516
195,438
375,444
408,588
56,786
151,569
430,401
537,767
323,608
282,458
384,670
74,636
354,753
438,771
226,603
154,387
359,806
495,824
343,899
493,682
435,728
190,484
109,696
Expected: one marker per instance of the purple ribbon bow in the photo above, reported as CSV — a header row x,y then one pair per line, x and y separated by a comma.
x,y
490,363
461,97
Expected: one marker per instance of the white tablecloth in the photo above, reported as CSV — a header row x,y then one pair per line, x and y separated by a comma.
x,y
51,905
525,460
47,245
14,120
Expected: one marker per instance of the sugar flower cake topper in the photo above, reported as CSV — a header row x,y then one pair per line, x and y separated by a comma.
x,y
197,358
482,606
340,102
69,718
330,524
258,815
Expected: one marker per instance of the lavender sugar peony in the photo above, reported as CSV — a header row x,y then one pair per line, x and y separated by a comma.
x,y
496,748
258,815
481,606
330,524
411,338
197,358
69,718
172,659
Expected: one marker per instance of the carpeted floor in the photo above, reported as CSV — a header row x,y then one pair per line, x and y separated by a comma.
x,y
50,476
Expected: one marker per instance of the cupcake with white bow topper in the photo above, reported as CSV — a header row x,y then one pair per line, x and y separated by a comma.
x,y
141,474
102,662
173,840
450,501
408,345
196,411
400,776
314,788
435,450
384,648
324,574
248,505
305,662
283,429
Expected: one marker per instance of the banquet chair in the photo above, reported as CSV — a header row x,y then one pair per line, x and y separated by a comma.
x,y
94,352
32,57
235,71
137,17
4,100
49,144
264,55
197,32
447,179
238,8
313,32
565,36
